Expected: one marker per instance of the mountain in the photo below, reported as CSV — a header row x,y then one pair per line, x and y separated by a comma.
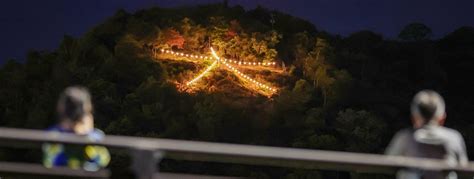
x,y
332,93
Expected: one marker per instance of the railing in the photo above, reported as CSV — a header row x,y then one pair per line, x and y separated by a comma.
x,y
147,152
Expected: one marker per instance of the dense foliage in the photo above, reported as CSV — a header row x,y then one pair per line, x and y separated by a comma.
x,y
347,94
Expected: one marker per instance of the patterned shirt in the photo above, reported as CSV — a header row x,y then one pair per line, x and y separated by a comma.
x,y
89,157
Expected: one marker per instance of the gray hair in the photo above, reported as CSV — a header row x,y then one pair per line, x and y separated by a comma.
x,y
428,105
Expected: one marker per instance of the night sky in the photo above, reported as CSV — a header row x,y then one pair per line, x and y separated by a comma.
x,y
41,24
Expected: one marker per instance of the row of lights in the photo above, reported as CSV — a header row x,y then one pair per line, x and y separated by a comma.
x,y
249,63
223,59
248,78
185,54
195,57
242,74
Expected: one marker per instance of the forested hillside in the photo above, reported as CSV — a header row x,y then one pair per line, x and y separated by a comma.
x,y
334,93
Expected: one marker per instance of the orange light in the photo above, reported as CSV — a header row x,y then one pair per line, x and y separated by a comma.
x,y
202,74
224,61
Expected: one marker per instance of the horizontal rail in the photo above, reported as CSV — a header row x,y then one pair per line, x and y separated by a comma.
x,y
247,154
189,176
37,169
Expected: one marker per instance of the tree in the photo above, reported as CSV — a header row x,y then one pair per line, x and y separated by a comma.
x,y
362,130
415,32
210,115
194,34
317,68
292,102
174,39
340,88
234,28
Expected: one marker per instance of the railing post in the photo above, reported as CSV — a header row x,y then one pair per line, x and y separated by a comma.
x,y
145,162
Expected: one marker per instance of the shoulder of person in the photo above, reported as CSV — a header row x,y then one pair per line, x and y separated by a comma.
x,y
399,141
403,135
449,132
406,132
450,136
96,135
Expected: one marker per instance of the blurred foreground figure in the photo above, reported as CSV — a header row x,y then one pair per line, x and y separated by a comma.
x,y
74,111
428,138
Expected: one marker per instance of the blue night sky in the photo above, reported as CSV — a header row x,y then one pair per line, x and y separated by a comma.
x,y
41,24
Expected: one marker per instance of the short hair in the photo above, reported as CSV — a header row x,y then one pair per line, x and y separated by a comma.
x,y
74,103
429,105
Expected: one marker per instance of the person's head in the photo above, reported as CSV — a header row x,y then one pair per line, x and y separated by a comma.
x,y
74,110
428,107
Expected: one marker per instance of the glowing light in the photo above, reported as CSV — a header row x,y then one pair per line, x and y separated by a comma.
x,y
226,63
202,74
241,74
238,62
214,54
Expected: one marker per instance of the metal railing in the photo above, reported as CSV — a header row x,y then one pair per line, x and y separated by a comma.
x,y
147,152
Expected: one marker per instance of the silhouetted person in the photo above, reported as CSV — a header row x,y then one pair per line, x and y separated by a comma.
x,y
428,138
74,110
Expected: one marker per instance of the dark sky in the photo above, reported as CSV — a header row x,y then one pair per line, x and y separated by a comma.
x,y
41,24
